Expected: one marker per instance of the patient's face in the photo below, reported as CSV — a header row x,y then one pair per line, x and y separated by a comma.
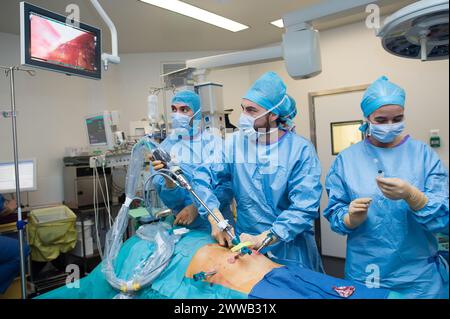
x,y
241,274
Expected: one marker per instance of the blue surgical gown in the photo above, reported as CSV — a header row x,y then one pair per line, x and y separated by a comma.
x,y
9,261
276,187
395,243
190,153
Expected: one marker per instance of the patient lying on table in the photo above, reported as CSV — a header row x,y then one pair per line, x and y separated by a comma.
x,y
240,274
259,277
250,276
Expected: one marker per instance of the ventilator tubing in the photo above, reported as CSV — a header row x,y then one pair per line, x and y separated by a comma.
x,y
149,269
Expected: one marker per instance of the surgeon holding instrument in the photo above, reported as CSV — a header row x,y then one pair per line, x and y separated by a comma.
x,y
275,177
190,147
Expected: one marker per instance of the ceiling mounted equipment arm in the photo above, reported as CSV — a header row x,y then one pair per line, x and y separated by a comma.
x,y
300,48
114,57
237,58
304,17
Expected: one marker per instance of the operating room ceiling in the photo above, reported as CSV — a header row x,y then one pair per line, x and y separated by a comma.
x,y
145,28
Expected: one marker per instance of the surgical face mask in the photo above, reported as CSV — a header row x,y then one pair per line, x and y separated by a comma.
x,y
247,125
182,123
386,133
247,122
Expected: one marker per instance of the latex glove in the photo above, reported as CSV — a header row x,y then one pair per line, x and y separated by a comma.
x,y
220,236
257,240
158,165
357,212
186,216
396,189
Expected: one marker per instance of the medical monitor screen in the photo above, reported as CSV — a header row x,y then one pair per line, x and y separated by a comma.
x,y
51,42
96,130
27,176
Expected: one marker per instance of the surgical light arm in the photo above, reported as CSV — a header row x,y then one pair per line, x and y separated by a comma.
x,y
304,17
114,57
300,46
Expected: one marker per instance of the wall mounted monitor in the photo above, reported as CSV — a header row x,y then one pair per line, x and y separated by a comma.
x,y
51,41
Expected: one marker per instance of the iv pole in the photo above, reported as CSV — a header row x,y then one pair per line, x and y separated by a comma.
x,y
9,71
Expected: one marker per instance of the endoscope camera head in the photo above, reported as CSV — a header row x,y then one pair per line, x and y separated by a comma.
x,y
161,155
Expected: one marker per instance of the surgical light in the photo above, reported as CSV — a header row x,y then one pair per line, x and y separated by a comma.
x,y
418,31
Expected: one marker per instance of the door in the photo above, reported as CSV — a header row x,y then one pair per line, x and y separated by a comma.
x,y
336,116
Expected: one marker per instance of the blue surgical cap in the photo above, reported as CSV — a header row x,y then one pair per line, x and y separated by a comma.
x,y
190,99
291,112
269,91
381,93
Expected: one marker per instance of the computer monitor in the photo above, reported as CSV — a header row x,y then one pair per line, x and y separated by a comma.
x,y
50,41
98,127
27,176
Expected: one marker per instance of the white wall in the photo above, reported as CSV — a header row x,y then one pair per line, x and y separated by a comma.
x,y
51,107
352,55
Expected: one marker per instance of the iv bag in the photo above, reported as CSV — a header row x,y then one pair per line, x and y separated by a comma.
x,y
152,107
